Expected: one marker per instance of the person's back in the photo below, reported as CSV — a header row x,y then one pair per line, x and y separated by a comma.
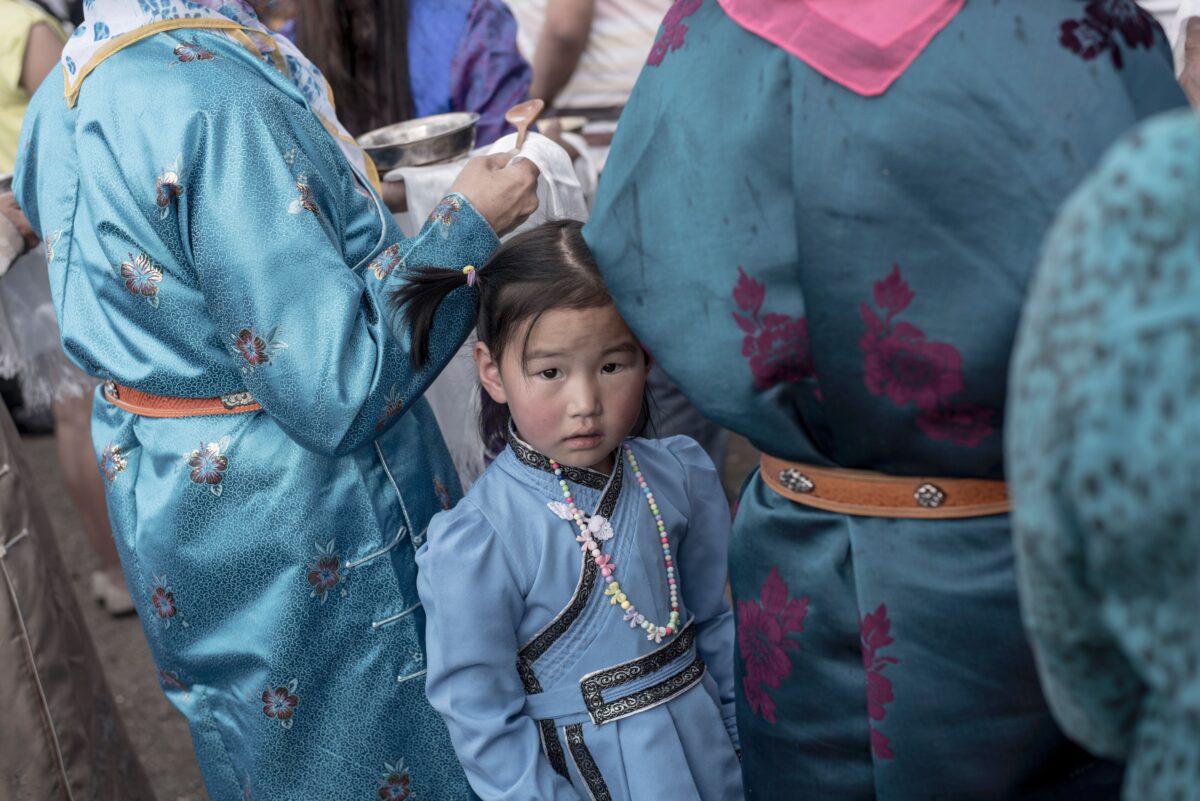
x,y
837,273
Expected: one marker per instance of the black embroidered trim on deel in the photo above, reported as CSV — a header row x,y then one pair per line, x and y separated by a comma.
x,y
526,454
595,684
589,771
651,696
553,749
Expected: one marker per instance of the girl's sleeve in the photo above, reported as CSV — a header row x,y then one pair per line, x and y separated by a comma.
x,y
702,556
471,589
262,211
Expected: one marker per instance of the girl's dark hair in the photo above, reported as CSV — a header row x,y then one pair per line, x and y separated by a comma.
x,y
362,48
548,267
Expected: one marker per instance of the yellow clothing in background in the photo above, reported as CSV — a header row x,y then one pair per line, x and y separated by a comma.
x,y
17,19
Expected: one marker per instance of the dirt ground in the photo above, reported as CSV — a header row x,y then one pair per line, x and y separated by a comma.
x,y
159,733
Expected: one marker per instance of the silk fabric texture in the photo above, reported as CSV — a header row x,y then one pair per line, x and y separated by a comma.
x,y
207,236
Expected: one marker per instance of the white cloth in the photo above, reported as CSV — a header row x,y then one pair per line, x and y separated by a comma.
x,y
454,396
622,34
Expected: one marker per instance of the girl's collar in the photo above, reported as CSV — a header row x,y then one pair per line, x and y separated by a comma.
x,y
531,457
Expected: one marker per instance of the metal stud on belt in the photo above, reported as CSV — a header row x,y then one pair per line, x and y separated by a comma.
x,y
929,496
796,481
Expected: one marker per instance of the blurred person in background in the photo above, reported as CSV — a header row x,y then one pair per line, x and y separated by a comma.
x,y
586,54
31,42
392,60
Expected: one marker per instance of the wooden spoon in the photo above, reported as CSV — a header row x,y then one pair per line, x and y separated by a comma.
x,y
523,115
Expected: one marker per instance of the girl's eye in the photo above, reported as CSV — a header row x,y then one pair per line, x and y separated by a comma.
x,y
550,374
611,367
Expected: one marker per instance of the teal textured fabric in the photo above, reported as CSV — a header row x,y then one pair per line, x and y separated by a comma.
x,y
1103,460
839,278
206,236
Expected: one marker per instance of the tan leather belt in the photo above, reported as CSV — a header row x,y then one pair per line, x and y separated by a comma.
x,y
867,494
147,405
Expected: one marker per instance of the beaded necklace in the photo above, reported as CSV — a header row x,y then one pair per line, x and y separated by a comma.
x,y
608,568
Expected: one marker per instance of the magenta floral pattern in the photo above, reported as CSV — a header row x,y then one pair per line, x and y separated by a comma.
x,y
395,784
279,703
908,369
188,52
763,626
162,598
775,344
324,572
875,632
256,349
674,31
1104,27
207,465
141,277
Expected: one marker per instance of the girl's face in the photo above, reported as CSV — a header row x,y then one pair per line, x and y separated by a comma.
x,y
579,390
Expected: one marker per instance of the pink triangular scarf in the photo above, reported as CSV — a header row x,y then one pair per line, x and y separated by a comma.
x,y
864,45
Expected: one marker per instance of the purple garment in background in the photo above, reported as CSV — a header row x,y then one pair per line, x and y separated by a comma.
x,y
463,56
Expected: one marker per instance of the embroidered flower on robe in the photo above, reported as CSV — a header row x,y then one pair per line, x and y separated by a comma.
x,y
142,277
905,367
395,784
387,262
305,202
674,32
167,188
325,571
446,210
163,600
255,349
187,52
776,344
51,244
171,681
279,703
208,464
393,406
443,495
1104,24
112,461
875,634
763,626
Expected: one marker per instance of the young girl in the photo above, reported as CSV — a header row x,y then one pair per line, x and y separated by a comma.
x,y
579,642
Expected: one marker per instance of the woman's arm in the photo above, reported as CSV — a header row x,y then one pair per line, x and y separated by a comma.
x,y
42,52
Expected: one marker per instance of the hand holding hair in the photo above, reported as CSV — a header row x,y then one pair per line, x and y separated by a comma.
x,y
503,191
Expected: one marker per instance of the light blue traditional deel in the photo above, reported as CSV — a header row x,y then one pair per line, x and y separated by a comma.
x,y
549,689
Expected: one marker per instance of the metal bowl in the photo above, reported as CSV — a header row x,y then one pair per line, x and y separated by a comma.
x,y
426,140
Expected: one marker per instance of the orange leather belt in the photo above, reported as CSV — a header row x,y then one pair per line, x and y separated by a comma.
x,y
147,405
867,494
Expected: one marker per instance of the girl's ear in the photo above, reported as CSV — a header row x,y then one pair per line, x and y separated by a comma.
x,y
489,373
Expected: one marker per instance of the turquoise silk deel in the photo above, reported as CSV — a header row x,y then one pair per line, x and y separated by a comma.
x,y
207,237
839,278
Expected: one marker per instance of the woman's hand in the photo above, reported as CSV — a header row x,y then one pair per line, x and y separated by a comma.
x,y
504,193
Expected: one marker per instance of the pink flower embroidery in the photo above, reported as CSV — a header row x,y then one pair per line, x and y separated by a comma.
x,y
279,703
112,462
776,344
763,627
908,369
167,187
1104,24
674,32
187,52
256,349
387,262
395,785
141,277
163,600
207,465
325,571
875,633
171,681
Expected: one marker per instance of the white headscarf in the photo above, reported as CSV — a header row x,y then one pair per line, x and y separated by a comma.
x,y
107,21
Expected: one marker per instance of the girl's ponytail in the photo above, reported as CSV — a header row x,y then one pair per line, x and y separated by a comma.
x,y
418,300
